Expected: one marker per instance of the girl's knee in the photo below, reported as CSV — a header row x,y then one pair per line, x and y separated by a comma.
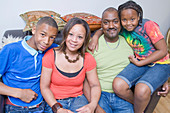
x,y
119,85
142,91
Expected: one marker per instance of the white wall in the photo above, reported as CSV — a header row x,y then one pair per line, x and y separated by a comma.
x,y
157,10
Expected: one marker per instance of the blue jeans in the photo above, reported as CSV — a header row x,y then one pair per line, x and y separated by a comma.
x,y
16,109
153,77
71,103
111,103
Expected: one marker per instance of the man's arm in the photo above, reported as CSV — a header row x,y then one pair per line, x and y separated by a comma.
x,y
165,89
87,93
94,41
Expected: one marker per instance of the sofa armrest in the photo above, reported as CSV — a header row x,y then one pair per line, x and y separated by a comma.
x,y
153,102
2,101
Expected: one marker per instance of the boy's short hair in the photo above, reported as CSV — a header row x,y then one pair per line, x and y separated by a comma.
x,y
47,20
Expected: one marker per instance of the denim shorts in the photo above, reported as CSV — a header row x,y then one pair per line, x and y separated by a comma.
x,y
153,77
71,103
111,103
16,109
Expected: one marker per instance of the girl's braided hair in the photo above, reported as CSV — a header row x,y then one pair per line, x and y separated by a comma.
x,y
131,5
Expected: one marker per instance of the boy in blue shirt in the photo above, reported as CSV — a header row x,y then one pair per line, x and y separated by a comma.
x,y
20,68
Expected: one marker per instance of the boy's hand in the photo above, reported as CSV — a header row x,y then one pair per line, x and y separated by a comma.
x,y
165,90
27,95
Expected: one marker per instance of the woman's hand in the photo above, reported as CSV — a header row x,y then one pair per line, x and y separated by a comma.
x,y
89,108
61,110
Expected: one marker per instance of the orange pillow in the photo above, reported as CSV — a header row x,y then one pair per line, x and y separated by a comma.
x,y
31,18
93,21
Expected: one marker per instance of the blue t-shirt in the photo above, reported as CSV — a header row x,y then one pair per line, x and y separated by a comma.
x,y
20,67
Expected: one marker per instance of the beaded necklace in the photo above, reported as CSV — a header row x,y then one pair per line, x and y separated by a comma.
x,y
69,60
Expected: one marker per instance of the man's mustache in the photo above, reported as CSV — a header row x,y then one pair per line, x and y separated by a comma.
x,y
111,29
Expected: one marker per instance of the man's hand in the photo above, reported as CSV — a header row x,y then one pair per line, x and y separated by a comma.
x,y
165,90
99,110
93,44
27,95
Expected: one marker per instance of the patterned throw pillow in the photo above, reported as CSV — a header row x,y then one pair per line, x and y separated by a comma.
x,y
168,40
93,21
31,18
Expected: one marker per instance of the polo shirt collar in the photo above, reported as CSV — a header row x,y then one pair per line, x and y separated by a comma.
x,y
31,50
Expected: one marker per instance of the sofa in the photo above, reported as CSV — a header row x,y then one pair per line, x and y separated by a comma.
x,y
18,34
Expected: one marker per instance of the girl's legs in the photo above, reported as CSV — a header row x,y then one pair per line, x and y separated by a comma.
x,y
121,88
126,79
141,97
148,83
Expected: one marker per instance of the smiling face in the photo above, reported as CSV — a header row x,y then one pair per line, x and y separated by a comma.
x,y
44,36
129,19
111,25
75,38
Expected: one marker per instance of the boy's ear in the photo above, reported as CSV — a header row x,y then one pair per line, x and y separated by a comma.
x,y
33,30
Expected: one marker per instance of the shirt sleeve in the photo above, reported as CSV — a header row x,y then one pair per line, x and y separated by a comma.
x,y
153,31
6,56
48,59
90,62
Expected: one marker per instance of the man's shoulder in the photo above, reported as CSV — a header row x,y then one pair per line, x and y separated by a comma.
x,y
101,39
121,37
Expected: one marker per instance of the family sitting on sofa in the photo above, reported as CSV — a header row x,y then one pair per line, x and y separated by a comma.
x,y
68,79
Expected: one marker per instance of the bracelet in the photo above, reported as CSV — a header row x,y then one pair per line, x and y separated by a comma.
x,y
56,106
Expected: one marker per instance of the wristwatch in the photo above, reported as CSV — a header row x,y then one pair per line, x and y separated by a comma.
x,y
56,106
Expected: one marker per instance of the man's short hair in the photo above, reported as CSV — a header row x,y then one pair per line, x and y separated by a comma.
x,y
109,9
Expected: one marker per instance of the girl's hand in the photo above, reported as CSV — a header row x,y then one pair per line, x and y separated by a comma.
x,y
133,60
61,110
93,44
86,109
